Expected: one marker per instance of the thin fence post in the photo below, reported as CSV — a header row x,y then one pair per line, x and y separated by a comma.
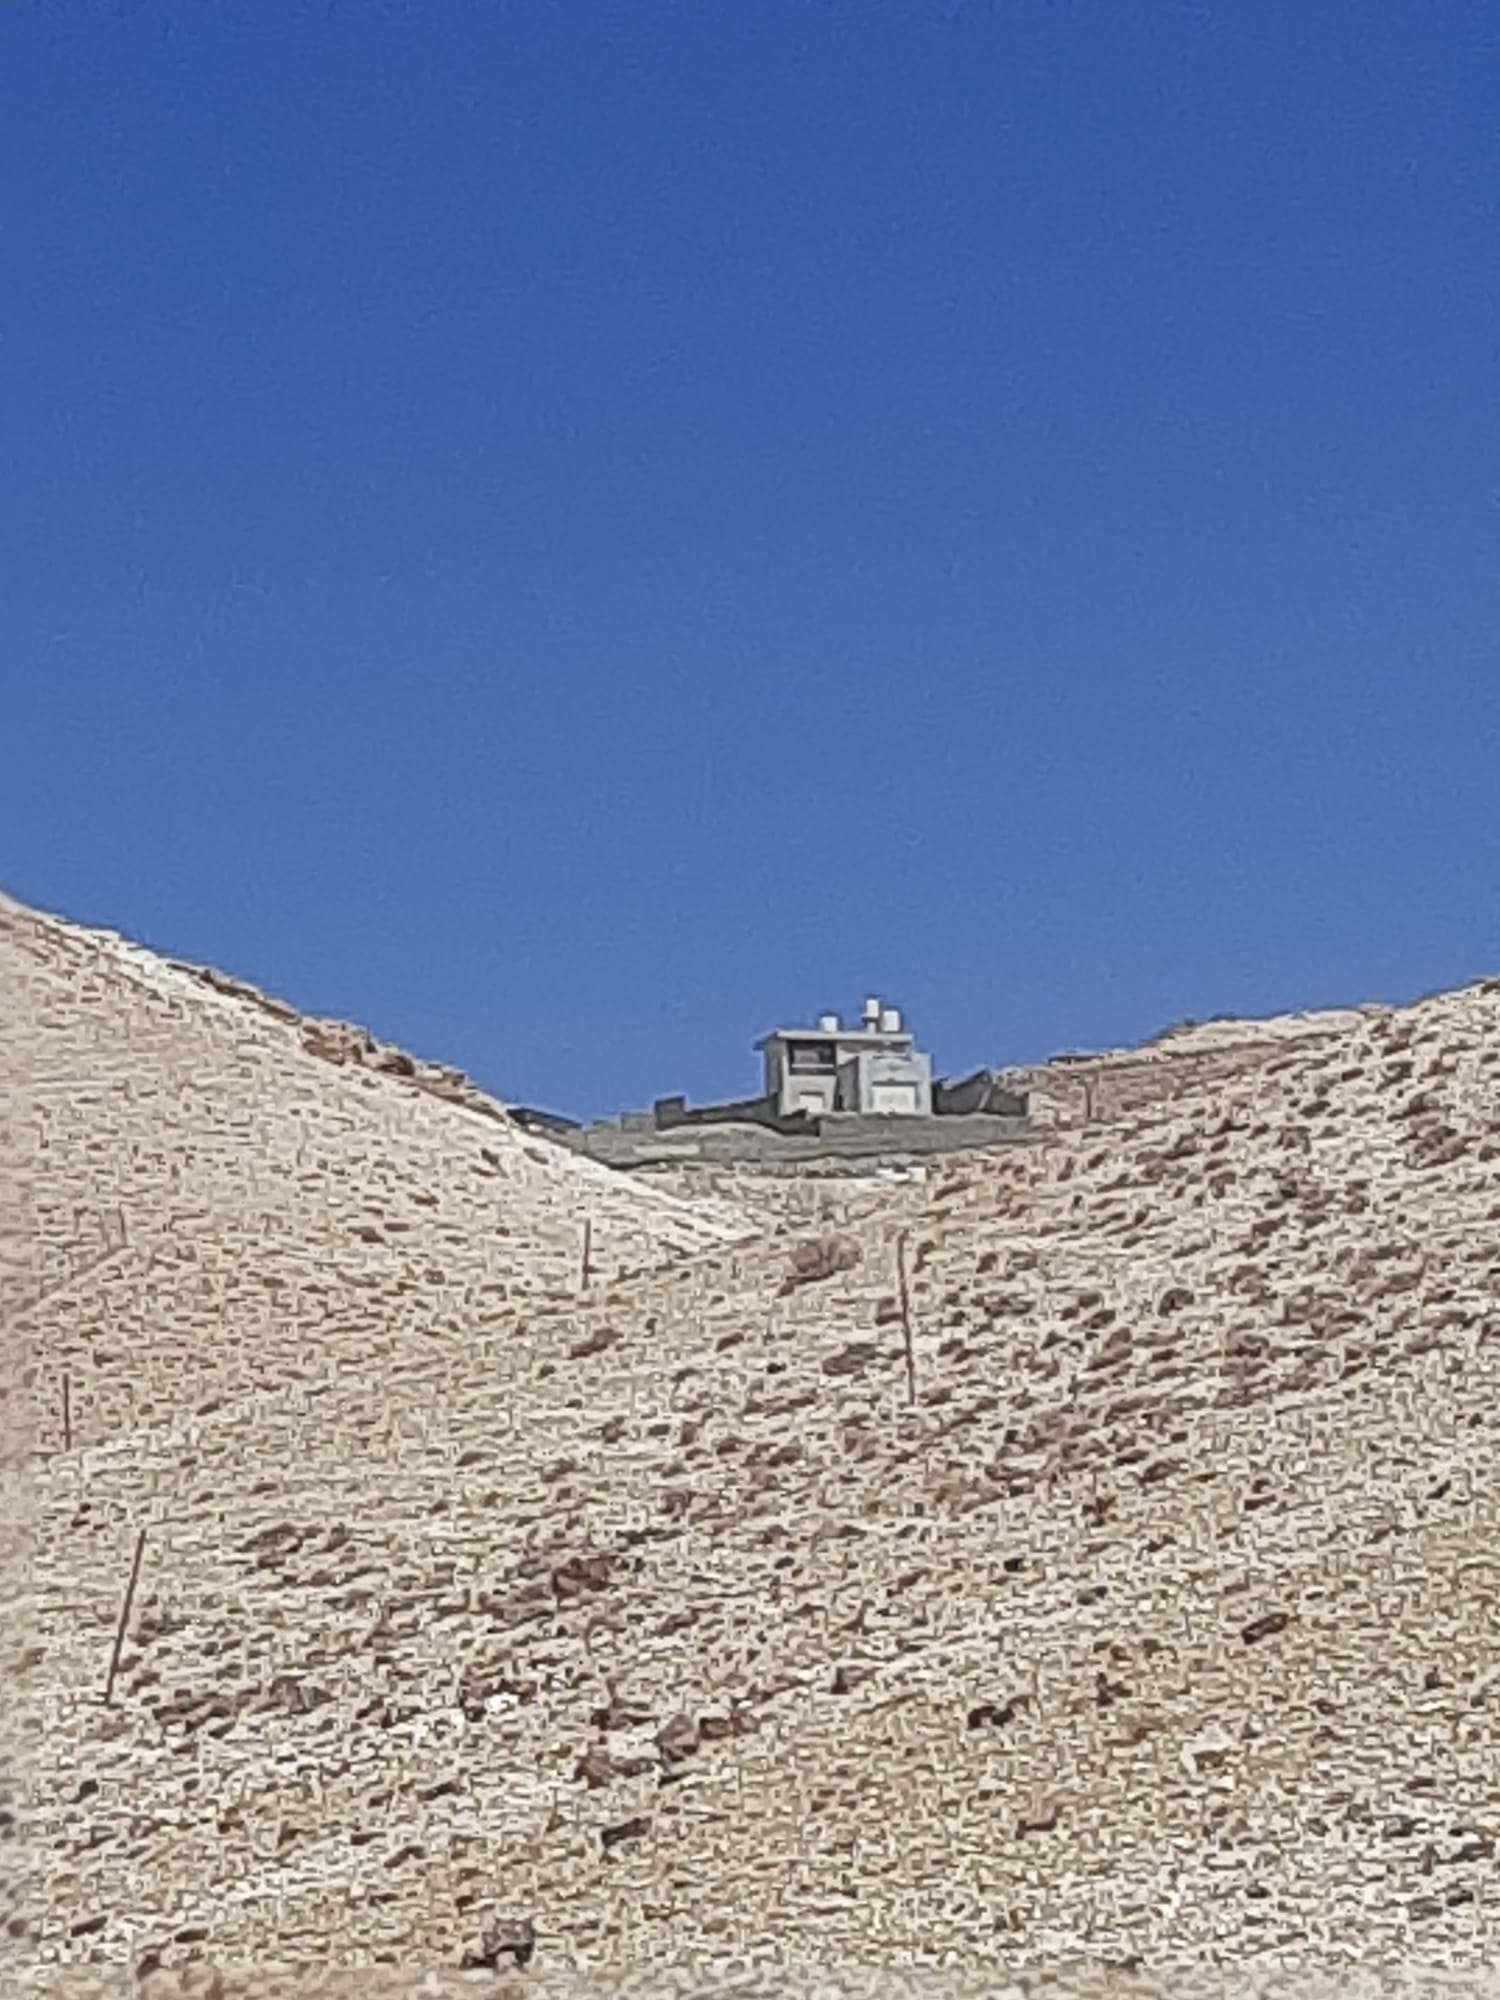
x,y
586,1271
67,1413
905,1294
114,1659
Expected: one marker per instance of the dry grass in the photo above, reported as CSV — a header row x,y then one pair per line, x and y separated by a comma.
x,y
1162,1632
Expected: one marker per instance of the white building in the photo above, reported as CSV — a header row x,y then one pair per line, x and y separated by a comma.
x,y
875,1069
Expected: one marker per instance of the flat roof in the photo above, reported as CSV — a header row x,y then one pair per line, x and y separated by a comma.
x,y
886,1037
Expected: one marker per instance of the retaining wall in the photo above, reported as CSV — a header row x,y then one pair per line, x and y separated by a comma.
x,y
851,1139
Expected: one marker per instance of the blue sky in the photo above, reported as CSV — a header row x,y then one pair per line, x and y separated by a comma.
x,y
575,533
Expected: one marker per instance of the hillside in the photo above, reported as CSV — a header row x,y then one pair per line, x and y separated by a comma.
x,y
1164,1627
224,1185
1083,1089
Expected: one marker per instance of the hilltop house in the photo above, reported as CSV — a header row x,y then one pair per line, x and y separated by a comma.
x,y
874,1070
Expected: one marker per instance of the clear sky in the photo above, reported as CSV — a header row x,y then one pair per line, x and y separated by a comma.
x,y
574,533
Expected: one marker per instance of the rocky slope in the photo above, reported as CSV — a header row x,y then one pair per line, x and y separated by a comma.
x,y
1089,1088
480,1622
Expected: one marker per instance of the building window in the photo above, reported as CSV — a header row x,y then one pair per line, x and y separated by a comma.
x,y
811,1058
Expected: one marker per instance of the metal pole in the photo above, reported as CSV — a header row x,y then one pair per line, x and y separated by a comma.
x,y
135,1570
911,1358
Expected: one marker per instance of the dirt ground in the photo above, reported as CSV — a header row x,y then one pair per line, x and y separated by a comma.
x,y
1125,1608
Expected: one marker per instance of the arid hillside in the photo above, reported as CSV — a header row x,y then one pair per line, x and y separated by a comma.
x,y
482,1621
1086,1089
217,1180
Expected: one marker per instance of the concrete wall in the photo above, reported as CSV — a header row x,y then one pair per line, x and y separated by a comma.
x,y
839,1137
671,1113
880,1074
